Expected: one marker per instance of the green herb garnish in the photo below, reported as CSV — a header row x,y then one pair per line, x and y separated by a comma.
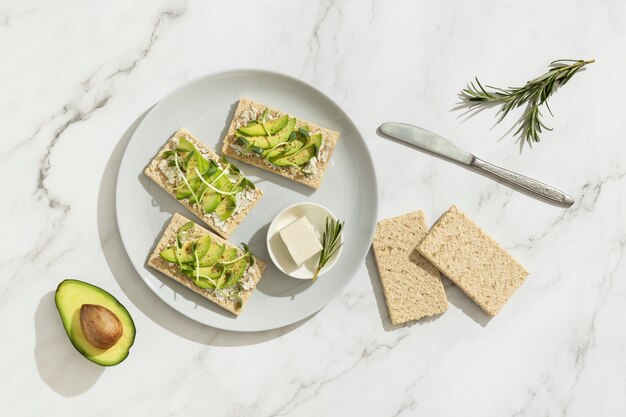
x,y
330,243
534,94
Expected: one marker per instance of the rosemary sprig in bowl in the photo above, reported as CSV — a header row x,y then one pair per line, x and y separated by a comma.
x,y
533,94
331,242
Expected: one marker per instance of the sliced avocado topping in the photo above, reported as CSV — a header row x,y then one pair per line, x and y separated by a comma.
x,y
261,142
288,147
213,255
237,270
298,159
189,250
204,182
184,145
229,254
270,127
219,269
98,326
210,201
267,142
226,207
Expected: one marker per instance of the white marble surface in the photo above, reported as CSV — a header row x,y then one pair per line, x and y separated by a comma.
x,y
76,78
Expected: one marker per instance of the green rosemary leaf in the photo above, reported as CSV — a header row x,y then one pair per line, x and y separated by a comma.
x,y
330,243
534,94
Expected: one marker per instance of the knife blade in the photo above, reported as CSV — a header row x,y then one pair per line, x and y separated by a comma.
x,y
433,143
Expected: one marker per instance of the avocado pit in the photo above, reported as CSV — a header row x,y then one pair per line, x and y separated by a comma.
x,y
101,327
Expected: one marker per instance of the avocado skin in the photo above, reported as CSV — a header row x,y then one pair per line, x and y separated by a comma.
x,y
104,357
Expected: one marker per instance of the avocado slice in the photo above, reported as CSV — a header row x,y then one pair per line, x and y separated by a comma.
x,y
210,201
226,207
70,296
184,145
186,253
273,126
266,142
253,141
184,192
301,157
223,183
237,270
286,150
213,255
229,254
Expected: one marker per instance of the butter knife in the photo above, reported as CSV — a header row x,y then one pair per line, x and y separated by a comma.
x,y
430,142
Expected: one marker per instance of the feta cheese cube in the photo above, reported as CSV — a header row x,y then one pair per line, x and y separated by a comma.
x,y
301,240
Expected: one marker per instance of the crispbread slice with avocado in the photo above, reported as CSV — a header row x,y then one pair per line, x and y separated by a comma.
x,y
279,142
412,286
239,265
222,207
475,262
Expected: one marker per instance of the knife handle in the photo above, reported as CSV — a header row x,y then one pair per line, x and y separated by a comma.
x,y
527,184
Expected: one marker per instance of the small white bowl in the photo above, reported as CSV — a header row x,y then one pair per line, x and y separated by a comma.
x,y
278,250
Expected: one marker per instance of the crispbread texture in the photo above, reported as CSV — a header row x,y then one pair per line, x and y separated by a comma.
x,y
472,260
329,138
171,270
156,175
412,286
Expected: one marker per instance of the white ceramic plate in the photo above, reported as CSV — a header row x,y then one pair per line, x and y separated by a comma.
x,y
205,107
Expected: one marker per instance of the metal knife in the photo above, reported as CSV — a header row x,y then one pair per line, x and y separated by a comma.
x,y
430,142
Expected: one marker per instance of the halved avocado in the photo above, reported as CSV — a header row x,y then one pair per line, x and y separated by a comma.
x,y
70,296
273,126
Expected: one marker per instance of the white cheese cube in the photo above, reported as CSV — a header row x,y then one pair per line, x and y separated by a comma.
x,y
301,240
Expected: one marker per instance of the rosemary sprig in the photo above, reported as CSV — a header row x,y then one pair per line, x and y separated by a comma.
x,y
534,94
330,243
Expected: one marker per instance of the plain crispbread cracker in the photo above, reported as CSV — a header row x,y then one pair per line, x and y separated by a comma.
x,y
472,260
155,174
412,286
329,137
171,270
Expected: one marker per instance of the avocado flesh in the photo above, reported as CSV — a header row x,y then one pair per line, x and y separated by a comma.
x,y
229,254
299,158
186,254
226,207
184,145
237,270
69,297
213,255
286,150
267,142
273,126
316,140
210,201
302,156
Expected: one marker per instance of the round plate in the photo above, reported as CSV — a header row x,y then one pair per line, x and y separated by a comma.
x,y
205,107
